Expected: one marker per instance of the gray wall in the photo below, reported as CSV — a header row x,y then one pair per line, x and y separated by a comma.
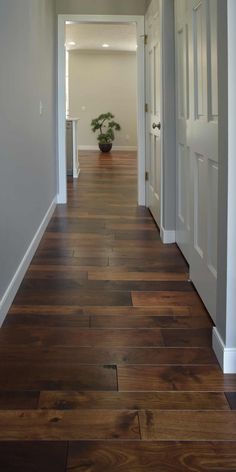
x,y
100,7
147,3
27,152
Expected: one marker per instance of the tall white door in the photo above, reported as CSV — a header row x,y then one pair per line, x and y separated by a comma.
x,y
183,127
153,132
197,142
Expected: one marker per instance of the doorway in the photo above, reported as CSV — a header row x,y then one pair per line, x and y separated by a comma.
x,y
138,21
101,85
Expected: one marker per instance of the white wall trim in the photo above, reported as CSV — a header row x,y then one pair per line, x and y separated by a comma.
x,y
115,148
8,297
139,20
168,236
226,356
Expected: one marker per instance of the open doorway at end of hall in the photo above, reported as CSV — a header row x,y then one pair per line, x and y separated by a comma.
x,y
100,70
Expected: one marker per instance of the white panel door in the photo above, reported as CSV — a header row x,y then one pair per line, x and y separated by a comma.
x,y
183,126
153,71
197,142
203,144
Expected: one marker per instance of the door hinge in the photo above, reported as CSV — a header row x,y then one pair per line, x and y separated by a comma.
x,y
145,39
146,107
146,176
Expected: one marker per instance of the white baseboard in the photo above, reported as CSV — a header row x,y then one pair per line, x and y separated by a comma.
x,y
76,174
115,148
60,200
167,236
14,285
226,356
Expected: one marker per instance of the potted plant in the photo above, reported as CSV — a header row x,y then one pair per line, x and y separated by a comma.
x,y
106,126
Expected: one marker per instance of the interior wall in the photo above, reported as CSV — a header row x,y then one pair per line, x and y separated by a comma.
x,y
101,7
101,82
147,3
28,164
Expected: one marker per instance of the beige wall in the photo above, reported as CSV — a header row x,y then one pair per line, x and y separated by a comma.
x,y
101,7
102,82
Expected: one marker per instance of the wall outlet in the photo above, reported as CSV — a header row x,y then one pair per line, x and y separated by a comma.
x,y
83,108
127,137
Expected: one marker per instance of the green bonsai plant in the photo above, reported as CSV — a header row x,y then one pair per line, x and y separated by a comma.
x,y
106,126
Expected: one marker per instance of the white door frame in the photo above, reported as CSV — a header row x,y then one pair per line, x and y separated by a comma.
x,y
110,19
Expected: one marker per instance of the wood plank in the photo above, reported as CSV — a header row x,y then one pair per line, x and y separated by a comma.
x,y
106,355
46,310
188,425
166,298
72,261
147,226
187,337
56,252
161,263
186,378
51,376
77,337
152,456
137,311
18,400
55,272
73,297
33,456
57,400
57,321
137,285
137,235
112,274
192,326
61,425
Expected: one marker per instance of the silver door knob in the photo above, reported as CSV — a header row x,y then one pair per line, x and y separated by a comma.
x,y
156,125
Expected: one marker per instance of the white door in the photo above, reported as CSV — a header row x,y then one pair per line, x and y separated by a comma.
x,y
183,125
198,135
153,132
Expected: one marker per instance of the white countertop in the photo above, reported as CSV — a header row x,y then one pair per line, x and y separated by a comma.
x,y
72,118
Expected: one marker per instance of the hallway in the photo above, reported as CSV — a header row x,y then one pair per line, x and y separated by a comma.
x,y
106,358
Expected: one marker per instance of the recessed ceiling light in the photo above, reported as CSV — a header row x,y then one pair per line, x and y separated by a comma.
x,y
106,45
71,43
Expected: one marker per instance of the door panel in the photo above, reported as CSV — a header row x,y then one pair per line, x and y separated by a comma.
x,y
153,66
204,144
197,138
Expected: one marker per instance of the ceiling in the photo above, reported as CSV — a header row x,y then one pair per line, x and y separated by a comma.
x,y
119,37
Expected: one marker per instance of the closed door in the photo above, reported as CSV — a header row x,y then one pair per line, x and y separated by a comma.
x,y
153,131
197,143
183,126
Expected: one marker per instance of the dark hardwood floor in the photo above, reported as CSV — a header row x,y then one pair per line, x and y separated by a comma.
x,y
106,359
